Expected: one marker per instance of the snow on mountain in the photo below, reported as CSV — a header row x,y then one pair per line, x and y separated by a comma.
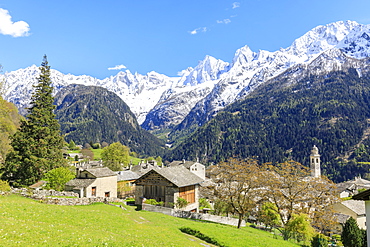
x,y
250,69
198,93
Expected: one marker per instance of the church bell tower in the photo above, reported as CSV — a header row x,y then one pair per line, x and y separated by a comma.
x,y
315,162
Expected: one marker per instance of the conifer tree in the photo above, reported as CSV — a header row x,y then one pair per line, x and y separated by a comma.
x,y
351,235
37,145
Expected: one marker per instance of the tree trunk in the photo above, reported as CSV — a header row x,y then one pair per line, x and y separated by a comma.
x,y
240,220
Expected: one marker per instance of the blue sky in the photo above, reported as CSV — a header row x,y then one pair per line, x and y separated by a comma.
x,y
91,36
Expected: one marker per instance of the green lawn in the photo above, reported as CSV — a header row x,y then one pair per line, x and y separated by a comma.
x,y
24,222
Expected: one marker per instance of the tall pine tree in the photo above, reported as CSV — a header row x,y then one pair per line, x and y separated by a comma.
x,y
37,145
352,235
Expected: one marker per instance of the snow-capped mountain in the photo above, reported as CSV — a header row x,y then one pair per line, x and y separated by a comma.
x,y
250,69
198,93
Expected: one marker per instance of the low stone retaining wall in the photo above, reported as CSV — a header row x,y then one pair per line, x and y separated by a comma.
x,y
190,215
61,197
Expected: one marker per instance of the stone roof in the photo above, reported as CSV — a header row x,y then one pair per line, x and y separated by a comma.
x,y
341,218
142,168
363,196
356,206
79,183
178,175
101,172
38,185
187,164
127,175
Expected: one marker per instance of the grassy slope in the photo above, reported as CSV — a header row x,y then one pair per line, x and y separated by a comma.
x,y
25,222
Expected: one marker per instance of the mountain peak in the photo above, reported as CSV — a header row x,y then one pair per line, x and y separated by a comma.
x,y
321,38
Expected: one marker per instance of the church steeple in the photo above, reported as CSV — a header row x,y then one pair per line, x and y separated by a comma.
x,y
315,162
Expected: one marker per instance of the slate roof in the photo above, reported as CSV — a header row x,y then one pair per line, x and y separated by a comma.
x,y
127,175
178,175
187,164
101,172
356,206
79,183
39,184
341,218
363,196
141,169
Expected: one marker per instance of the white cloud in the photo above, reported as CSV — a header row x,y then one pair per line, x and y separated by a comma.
x,y
236,5
224,21
198,30
15,29
117,67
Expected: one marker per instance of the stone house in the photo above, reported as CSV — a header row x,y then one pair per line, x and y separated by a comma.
x,y
365,197
126,183
94,182
195,167
350,188
167,185
351,208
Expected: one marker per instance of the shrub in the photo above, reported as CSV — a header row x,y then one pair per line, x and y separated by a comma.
x,y
4,186
200,235
151,201
181,202
319,241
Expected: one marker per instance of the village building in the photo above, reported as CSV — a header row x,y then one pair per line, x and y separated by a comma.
x,y
351,208
94,182
351,188
365,196
126,183
167,185
195,167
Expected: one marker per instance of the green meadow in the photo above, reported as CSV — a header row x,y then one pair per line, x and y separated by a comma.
x,y
25,222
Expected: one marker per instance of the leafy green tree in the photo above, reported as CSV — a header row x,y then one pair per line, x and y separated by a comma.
x,y
203,203
299,227
115,155
268,215
37,145
159,160
58,177
351,235
72,145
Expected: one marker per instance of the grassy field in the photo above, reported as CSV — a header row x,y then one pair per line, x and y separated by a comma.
x,y
97,155
24,222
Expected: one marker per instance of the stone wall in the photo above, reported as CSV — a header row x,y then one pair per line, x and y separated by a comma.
x,y
189,215
62,197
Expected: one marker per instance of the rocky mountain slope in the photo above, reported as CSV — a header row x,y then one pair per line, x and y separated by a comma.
x,y
94,114
193,98
284,117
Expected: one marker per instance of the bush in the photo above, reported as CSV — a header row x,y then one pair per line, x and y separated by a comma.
x,y
4,186
151,201
200,235
319,241
181,202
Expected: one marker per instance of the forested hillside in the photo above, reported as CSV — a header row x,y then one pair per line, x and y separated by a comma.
x,y
94,114
285,117
9,121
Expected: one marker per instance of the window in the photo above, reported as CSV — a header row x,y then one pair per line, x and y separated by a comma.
x,y
93,191
107,194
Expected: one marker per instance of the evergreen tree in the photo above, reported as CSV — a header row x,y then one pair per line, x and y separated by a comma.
x,y
37,145
351,235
